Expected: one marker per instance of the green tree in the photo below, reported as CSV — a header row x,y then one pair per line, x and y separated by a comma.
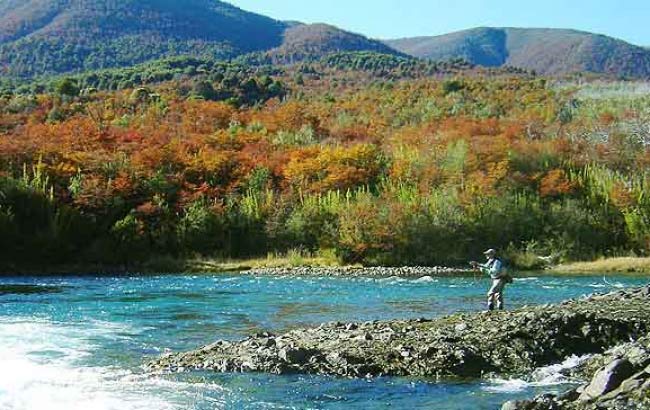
x,y
204,89
67,87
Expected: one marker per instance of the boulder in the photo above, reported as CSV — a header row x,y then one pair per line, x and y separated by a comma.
x,y
544,402
608,379
295,355
514,405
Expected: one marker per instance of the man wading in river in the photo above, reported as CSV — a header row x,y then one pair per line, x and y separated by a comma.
x,y
500,278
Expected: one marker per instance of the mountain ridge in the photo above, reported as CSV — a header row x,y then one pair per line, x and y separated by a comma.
x,y
52,37
45,37
545,50
55,36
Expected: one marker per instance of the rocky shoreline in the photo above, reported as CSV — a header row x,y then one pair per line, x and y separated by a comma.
x,y
458,346
370,272
617,379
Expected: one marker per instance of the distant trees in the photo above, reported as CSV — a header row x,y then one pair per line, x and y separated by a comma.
x,y
392,66
239,91
104,34
197,78
204,89
451,86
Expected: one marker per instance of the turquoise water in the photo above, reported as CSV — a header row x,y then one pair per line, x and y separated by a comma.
x,y
78,343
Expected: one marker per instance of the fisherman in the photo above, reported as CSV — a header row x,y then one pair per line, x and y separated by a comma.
x,y
500,278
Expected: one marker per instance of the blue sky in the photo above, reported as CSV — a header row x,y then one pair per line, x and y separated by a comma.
x,y
625,19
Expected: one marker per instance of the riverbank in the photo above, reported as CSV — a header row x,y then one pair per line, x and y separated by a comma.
x,y
616,379
623,265
462,345
305,264
289,264
171,265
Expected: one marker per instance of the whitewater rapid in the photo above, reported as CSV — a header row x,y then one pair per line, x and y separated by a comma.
x,y
47,365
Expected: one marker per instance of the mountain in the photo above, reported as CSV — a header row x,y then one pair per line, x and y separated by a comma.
x,y
320,39
54,36
44,37
547,51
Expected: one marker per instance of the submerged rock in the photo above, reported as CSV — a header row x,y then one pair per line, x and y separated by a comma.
x,y
463,345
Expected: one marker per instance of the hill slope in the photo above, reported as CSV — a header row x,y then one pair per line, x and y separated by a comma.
x,y
53,36
547,51
41,37
320,39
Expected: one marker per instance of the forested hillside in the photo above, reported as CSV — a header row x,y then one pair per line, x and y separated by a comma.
x,y
546,51
45,37
317,40
49,37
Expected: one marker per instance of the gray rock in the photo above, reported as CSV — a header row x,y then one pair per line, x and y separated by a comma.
x,y
365,336
461,327
295,355
608,379
511,405
267,342
372,272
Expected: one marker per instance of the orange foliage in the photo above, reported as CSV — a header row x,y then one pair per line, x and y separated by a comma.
x,y
555,183
318,169
205,117
205,149
290,116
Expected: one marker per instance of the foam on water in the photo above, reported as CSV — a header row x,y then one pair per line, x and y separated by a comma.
x,y
43,368
556,374
426,279
393,280
548,376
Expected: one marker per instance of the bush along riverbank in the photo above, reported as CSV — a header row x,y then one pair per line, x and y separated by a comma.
x,y
458,346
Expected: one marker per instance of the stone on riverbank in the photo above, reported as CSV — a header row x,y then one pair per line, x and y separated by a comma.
x,y
368,272
619,379
463,345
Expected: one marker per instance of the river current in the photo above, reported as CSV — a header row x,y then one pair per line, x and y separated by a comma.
x,y
78,342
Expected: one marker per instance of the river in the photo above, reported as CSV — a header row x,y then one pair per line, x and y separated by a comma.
x,y
73,343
